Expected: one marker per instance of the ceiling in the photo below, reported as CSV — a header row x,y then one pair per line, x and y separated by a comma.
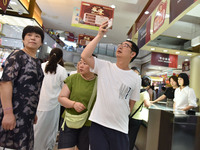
x,y
58,15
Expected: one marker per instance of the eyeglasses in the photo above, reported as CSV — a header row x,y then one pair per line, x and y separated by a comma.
x,y
125,45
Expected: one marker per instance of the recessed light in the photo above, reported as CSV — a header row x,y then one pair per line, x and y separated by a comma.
x,y
165,50
112,6
178,36
105,36
189,54
153,49
186,59
146,12
178,52
38,50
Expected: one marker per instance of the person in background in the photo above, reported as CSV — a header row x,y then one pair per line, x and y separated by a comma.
x,y
184,97
118,88
48,110
1,69
137,70
169,93
136,120
20,89
75,96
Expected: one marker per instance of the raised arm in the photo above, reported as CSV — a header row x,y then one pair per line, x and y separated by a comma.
x,y
89,49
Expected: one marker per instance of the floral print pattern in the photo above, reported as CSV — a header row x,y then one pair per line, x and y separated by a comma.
x,y
26,75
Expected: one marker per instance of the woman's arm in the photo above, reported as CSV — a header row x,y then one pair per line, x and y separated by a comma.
x,y
159,98
64,100
9,121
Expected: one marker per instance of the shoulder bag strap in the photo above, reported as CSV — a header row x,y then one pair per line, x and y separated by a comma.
x,y
93,95
136,110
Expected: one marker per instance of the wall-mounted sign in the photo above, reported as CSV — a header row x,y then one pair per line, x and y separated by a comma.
x,y
4,4
177,7
166,60
160,16
84,39
92,15
144,33
185,66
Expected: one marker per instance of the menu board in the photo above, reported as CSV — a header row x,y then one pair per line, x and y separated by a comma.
x,y
84,39
92,15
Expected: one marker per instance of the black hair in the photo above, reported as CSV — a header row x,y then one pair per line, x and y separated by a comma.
x,y
135,68
163,88
94,55
33,29
175,78
185,78
134,48
146,81
55,58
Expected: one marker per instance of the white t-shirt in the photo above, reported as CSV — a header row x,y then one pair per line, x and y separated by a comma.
x,y
185,97
51,87
115,87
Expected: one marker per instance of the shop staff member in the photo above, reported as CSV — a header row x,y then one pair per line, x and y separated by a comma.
x,y
185,97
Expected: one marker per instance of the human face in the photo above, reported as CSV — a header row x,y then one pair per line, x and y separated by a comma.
x,y
32,41
173,83
180,81
124,49
83,67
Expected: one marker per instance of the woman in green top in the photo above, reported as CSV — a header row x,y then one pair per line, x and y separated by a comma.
x,y
136,120
75,96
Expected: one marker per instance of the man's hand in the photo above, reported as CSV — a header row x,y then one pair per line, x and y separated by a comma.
x,y
79,107
103,29
9,121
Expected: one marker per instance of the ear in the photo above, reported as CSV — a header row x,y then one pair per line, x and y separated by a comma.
x,y
133,54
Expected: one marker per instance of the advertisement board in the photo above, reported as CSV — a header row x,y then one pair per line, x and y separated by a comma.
x,y
166,60
4,4
84,39
92,15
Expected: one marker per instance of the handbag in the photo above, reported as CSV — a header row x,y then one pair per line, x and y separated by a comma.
x,y
77,121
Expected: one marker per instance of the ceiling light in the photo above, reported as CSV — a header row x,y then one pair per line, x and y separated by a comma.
x,y
186,59
178,52
153,49
105,36
146,12
38,50
189,54
112,6
165,50
178,36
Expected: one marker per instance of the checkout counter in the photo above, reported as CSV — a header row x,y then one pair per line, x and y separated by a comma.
x,y
165,129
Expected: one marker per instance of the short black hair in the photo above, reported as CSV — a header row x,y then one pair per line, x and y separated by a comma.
x,y
185,78
175,78
33,29
146,81
134,48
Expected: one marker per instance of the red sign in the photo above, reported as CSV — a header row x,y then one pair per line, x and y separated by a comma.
x,y
4,4
166,60
177,7
160,16
84,39
94,14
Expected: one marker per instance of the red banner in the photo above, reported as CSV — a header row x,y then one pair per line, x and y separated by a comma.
x,y
166,60
84,39
4,4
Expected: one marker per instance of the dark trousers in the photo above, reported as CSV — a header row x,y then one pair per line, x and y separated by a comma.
x,y
134,126
103,138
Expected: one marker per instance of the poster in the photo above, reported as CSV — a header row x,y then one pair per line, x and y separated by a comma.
x,y
4,4
144,33
160,16
91,16
166,60
84,39
177,7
